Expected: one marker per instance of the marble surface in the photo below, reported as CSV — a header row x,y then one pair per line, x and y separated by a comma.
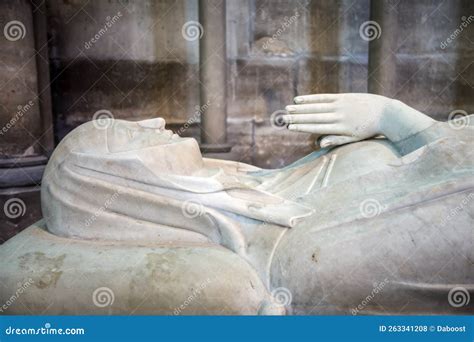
x,y
136,221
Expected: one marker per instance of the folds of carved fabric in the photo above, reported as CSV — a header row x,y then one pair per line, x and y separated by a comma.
x,y
465,132
90,208
219,191
89,204
296,182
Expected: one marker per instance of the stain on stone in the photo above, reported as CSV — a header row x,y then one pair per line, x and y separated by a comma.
x,y
44,271
158,266
315,256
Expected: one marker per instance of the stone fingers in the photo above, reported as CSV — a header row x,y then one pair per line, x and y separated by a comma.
x,y
336,140
316,98
317,128
310,108
310,118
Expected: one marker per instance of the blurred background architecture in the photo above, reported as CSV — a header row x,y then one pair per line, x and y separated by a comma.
x,y
64,62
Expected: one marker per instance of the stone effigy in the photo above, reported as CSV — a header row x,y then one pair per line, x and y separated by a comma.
x,y
136,221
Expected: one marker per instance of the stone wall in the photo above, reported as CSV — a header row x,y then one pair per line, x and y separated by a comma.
x,y
19,109
127,57
26,129
286,48
143,67
423,68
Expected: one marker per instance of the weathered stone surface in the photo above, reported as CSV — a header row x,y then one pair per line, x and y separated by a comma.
x,y
127,89
282,20
148,282
259,87
238,28
20,120
138,30
122,57
323,52
343,74
429,61
333,27
443,92
424,26
254,143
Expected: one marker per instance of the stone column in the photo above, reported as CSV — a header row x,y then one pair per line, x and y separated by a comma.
x,y
382,59
213,76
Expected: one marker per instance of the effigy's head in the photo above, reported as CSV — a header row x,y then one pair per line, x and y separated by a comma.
x,y
112,135
125,136
115,141
96,161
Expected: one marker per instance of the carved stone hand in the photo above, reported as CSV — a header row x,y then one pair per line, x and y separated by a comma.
x,y
344,118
